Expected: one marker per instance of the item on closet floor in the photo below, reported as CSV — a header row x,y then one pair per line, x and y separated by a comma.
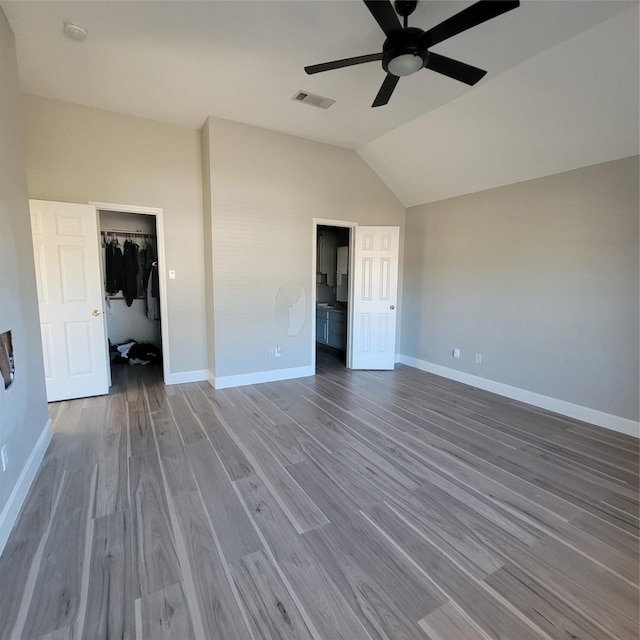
x,y
114,267
130,289
135,352
144,353
123,349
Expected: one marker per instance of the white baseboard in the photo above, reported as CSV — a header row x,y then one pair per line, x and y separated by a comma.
x,y
225,382
186,376
11,510
593,416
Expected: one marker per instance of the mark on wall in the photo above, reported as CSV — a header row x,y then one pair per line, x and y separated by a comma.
x,y
291,307
7,366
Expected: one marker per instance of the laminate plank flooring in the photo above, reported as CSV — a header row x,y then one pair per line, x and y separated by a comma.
x,y
449,623
110,607
270,608
164,615
352,505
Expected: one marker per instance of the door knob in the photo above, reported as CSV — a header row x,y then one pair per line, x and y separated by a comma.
x,y
95,312
392,307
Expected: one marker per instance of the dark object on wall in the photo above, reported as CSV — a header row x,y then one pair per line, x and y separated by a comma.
x,y
406,49
7,366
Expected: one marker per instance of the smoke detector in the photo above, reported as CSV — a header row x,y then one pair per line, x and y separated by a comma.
x,y
74,31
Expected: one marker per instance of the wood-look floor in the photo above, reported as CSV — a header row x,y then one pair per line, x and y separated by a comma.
x,y
346,506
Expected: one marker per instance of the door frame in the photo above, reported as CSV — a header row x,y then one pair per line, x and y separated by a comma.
x,y
162,281
346,224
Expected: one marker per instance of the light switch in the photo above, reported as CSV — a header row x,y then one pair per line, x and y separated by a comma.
x,y
172,274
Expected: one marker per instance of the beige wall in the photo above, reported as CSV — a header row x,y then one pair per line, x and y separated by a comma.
x,y
266,189
23,407
78,154
541,277
208,247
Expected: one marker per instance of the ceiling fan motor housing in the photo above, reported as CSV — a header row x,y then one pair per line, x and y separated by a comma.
x,y
405,7
404,43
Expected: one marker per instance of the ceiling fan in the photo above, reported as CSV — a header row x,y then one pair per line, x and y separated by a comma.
x,y
406,49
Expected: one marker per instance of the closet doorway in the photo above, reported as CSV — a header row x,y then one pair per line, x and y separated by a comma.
x,y
132,250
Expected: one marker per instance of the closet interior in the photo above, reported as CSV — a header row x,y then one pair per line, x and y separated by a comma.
x,y
132,298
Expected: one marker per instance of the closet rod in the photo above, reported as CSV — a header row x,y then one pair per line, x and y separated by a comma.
x,y
127,233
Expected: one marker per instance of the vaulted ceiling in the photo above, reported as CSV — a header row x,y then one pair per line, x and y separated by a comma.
x,y
561,89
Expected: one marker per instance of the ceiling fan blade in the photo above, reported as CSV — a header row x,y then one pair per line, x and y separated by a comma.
x,y
467,18
386,90
346,62
454,69
385,15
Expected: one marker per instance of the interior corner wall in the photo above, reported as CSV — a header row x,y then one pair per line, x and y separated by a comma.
x,y
80,154
266,190
541,278
208,249
24,421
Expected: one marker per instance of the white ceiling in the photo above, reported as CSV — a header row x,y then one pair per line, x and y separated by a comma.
x,y
182,61
571,106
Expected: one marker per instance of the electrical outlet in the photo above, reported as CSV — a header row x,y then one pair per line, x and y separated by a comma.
x,y
455,353
478,358
5,458
278,351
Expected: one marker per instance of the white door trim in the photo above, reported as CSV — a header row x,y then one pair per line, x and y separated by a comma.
x,y
164,317
314,244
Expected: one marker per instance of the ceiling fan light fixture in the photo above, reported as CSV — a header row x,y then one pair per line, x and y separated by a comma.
x,y
405,64
406,49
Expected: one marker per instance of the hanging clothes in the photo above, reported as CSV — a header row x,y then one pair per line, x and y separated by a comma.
x,y
148,256
153,294
130,289
140,277
114,268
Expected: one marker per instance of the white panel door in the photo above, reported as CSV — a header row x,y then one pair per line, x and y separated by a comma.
x,y
375,289
70,294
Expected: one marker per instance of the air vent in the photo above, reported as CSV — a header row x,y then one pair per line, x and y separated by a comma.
x,y
313,100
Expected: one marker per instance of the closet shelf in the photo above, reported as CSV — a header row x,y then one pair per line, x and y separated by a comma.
x,y
122,232
123,298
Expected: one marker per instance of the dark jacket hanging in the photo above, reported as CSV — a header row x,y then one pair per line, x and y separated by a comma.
x,y
130,290
114,268
148,255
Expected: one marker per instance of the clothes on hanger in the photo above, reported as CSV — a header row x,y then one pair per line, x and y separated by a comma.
x,y
140,276
148,256
134,272
153,293
130,289
114,267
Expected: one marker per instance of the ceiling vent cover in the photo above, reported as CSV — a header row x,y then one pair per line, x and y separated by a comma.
x,y
313,100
